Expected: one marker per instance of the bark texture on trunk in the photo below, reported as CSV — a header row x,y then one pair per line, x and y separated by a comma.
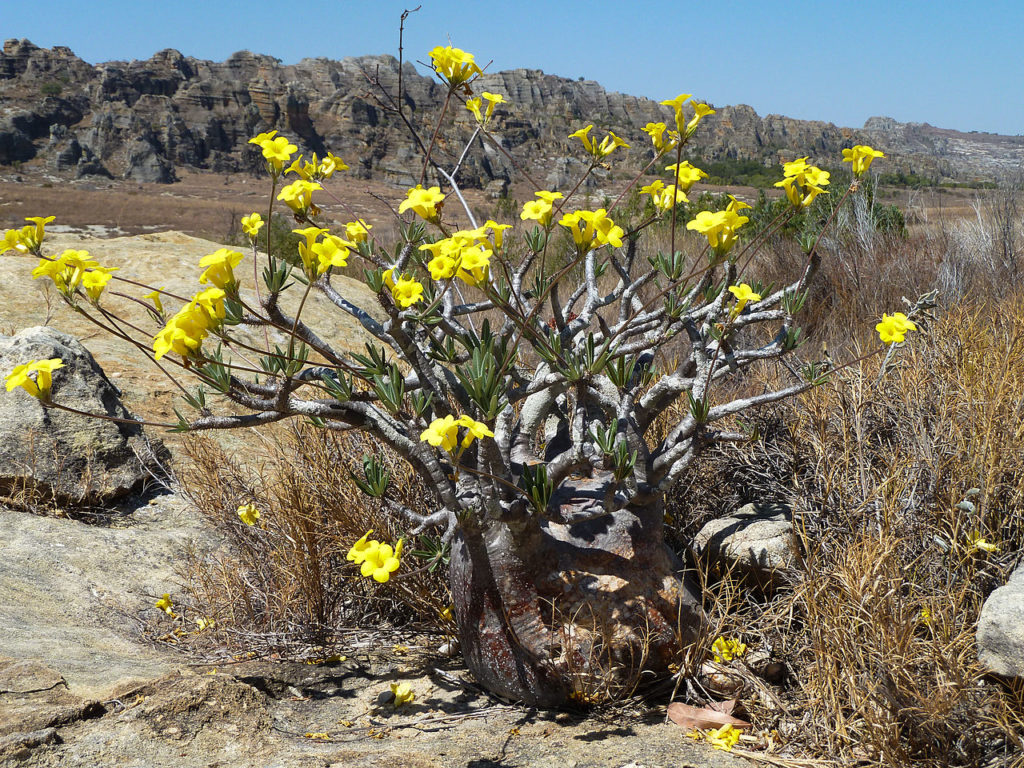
x,y
571,609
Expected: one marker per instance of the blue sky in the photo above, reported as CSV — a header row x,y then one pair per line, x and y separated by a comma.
x,y
953,64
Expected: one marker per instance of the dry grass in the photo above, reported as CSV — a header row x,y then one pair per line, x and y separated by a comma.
x,y
286,583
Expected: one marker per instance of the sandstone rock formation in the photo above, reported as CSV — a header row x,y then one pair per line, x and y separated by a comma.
x,y
143,119
58,455
1001,628
755,542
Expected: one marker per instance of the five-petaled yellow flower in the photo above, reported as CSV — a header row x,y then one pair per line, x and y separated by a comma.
x,y
276,151
860,157
299,196
381,561
248,514
727,650
719,228
251,225
219,268
423,202
893,328
743,294
39,387
407,291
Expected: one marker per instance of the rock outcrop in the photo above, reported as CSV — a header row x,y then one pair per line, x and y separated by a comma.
x,y
1001,628
143,119
756,542
50,453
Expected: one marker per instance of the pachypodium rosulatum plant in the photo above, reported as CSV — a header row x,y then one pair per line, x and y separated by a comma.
x,y
536,401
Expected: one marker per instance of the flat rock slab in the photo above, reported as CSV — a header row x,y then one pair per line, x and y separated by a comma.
x,y
1001,628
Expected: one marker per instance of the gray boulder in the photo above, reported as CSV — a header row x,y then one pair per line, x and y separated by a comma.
x,y
58,455
1001,628
755,542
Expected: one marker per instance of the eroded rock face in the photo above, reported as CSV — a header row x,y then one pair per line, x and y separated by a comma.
x,y
63,456
1001,628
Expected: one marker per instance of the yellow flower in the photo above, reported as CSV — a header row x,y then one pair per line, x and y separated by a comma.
x,y
724,738
184,333
248,514
32,237
165,604
277,152
860,158
736,205
664,198
442,267
473,105
442,433
40,387
743,294
677,107
357,231
155,297
700,111
474,430
95,280
599,151
422,202
381,561
446,614
686,174
403,693
203,623
474,265
66,270
727,650
893,328
978,543
454,65
802,182
597,228
661,137
492,100
719,228
219,268
926,617
407,292
251,225
258,140
299,196
357,554
538,210
544,194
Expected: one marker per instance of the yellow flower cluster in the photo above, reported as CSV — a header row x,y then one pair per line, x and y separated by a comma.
x,y
40,387
685,128
727,650
662,138
27,239
592,229
299,197
466,254
73,269
860,158
444,433
454,65
473,105
893,329
540,210
276,151
320,255
598,151
720,227
184,333
375,559
802,182
423,202
317,169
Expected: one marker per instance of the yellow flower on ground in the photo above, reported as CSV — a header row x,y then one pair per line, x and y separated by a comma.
x,y
860,157
727,650
724,738
165,604
743,294
299,196
251,225
926,617
203,623
978,543
248,514
423,202
893,329
219,268
403,693
454,65
446,614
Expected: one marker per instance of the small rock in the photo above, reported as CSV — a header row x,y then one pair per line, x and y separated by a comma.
x,y
1001,628
756,542
70,458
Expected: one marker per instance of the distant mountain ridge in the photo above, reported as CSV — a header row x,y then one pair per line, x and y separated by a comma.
x,y
143,120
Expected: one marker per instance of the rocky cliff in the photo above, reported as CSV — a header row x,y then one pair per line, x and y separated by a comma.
x,y
143,119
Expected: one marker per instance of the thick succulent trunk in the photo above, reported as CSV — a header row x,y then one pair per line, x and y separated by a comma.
x,y
552,611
